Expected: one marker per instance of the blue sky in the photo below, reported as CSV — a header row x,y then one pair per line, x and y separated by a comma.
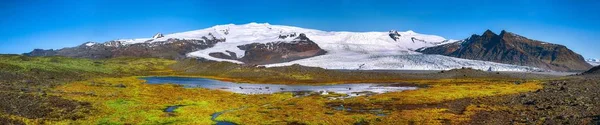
x,y
29,24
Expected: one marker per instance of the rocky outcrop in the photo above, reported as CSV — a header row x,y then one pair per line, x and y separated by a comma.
x,y
42,52
394,35
170,49
511,48
229,55
280,51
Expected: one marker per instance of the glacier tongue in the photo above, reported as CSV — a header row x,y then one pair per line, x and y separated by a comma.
x,y
407,61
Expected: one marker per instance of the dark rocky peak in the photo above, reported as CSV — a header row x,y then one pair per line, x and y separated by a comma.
x,y
490,37
284,36
505,33
511,48
158,35
302,37
509,35
394,35
293,35
489,33
472,37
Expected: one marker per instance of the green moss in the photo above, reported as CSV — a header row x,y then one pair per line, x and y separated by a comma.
x,y
65,64
194,103
53,64
120,104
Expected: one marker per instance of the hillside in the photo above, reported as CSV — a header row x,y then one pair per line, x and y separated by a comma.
x,y
595,70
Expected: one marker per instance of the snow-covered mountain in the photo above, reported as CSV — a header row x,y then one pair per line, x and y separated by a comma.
x,y
594,62
332,42
345,50
278,45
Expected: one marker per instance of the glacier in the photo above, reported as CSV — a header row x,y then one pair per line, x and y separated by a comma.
x,y
345,50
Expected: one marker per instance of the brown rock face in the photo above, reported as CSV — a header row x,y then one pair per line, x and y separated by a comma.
x,y
514,49
277,52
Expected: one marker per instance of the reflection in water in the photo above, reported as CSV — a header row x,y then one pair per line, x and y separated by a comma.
x,y
245,88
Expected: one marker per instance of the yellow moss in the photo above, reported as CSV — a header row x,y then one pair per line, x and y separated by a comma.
x,y
130,100
446,90
309,110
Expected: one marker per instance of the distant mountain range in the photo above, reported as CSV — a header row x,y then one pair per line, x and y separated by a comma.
x,y
278,45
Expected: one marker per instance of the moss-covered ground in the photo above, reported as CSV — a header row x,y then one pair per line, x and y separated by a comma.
x,y
59,90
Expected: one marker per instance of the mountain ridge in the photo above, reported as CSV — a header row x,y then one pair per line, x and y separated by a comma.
x,y
511,48
594,70
277,45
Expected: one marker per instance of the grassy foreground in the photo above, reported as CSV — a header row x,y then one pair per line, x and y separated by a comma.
x,y
26,84
128,100
80,91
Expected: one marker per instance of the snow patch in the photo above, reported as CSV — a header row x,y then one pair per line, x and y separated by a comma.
x,y
593,62
134,41
158,35
90,43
